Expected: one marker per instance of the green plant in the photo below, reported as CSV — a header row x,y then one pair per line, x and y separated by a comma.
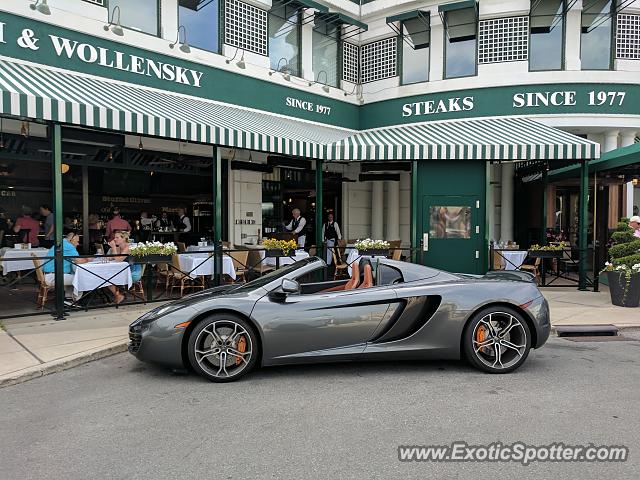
x,y
153,248
548,248
369,244
624,254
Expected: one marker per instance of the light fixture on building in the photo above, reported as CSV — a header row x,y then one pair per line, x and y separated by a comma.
x,y
184,47
1,134
325,85
284,70
115,27
240,63
110,156
41,6
64,168
24,129
635,182
140,145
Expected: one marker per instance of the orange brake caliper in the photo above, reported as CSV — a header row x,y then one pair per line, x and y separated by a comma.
x,y
242,347
481,334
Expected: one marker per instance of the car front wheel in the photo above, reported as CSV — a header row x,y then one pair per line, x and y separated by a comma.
x,y
497,340
223,348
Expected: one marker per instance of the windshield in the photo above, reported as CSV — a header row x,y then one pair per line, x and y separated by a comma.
x,y
276,274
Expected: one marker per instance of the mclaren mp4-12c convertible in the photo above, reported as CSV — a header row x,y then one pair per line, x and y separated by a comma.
x,y
386,310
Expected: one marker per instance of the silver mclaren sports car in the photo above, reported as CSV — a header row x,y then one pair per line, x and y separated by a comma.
x,y
386,310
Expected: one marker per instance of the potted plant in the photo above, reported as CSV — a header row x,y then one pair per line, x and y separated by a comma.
x,y
547,251
279,248
372,247
623,269
152,252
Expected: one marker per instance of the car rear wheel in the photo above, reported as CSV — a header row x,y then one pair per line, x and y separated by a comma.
x,y
497,340
223,348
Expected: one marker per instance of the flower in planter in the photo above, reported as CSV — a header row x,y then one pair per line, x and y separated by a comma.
x,y
285,245
153,248
369,244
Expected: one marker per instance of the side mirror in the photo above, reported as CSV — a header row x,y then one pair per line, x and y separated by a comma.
x,y
290,286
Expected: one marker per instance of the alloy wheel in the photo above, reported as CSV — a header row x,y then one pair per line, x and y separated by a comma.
x,y
223,349
499,340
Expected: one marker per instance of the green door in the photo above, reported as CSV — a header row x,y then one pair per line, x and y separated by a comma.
x,y
451,238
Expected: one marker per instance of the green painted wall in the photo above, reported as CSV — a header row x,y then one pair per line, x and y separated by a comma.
x,y
216,84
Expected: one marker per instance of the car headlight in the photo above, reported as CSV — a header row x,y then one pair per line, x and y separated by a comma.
x,y
160,312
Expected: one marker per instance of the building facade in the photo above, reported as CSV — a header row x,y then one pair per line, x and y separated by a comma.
x,y
409,108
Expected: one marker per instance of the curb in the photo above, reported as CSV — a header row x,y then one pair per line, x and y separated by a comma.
x,y
60,365
619,327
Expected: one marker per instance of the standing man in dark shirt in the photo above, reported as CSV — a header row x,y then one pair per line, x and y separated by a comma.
x,y
331,234
298,225
49,226
184,225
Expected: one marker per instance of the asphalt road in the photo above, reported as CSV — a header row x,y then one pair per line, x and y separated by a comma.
x,y
118,418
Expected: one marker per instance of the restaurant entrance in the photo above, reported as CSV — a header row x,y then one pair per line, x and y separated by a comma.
x,y
451,213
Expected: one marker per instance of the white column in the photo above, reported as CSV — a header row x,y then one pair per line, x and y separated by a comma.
x,y
306,50
573,35
393,211
506,202
611,140
377,210
628,138
436,49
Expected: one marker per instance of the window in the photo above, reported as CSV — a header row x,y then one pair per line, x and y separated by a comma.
x,y
461,40
351,63
284,37
142,15
245,27
503,40
416,37
378,60
201,23
450,222
325,52
547,35
628,37
597,25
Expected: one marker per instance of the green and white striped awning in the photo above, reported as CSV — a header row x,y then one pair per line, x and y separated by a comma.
x,y
58,95
505,138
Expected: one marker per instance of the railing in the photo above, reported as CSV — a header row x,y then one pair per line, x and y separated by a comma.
x,y
114,280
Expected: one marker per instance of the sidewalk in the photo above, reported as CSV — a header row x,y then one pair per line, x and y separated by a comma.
x,y
37,346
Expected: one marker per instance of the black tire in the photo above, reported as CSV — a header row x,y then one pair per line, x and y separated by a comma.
x,y
493,349
229,329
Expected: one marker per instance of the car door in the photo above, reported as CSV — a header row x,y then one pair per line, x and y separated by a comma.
x,y
320,324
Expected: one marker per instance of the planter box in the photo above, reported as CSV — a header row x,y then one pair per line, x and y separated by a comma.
x,y
274,252
617,283
546,253
374,252
149,259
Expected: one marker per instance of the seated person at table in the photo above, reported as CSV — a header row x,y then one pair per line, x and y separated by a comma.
x,y
69,249
120,246
29,227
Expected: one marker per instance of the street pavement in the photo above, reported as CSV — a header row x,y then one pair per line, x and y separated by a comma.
x,y
117,418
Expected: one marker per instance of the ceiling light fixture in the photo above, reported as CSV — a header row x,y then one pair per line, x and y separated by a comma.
x,y
115,27
140,145
184,47
41,6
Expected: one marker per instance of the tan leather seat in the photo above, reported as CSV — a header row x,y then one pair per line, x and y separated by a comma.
x,y
367,282
355,277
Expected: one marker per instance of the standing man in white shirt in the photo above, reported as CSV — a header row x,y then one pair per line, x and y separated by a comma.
x,y
331,234
298,226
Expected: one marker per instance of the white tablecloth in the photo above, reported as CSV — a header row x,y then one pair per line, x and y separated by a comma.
x,y
513,259
92,275
25,262
298,255
202,265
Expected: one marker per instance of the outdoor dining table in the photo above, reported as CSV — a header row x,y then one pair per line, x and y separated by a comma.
x,y
297,255
100,274
513,258
20,259
201,264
